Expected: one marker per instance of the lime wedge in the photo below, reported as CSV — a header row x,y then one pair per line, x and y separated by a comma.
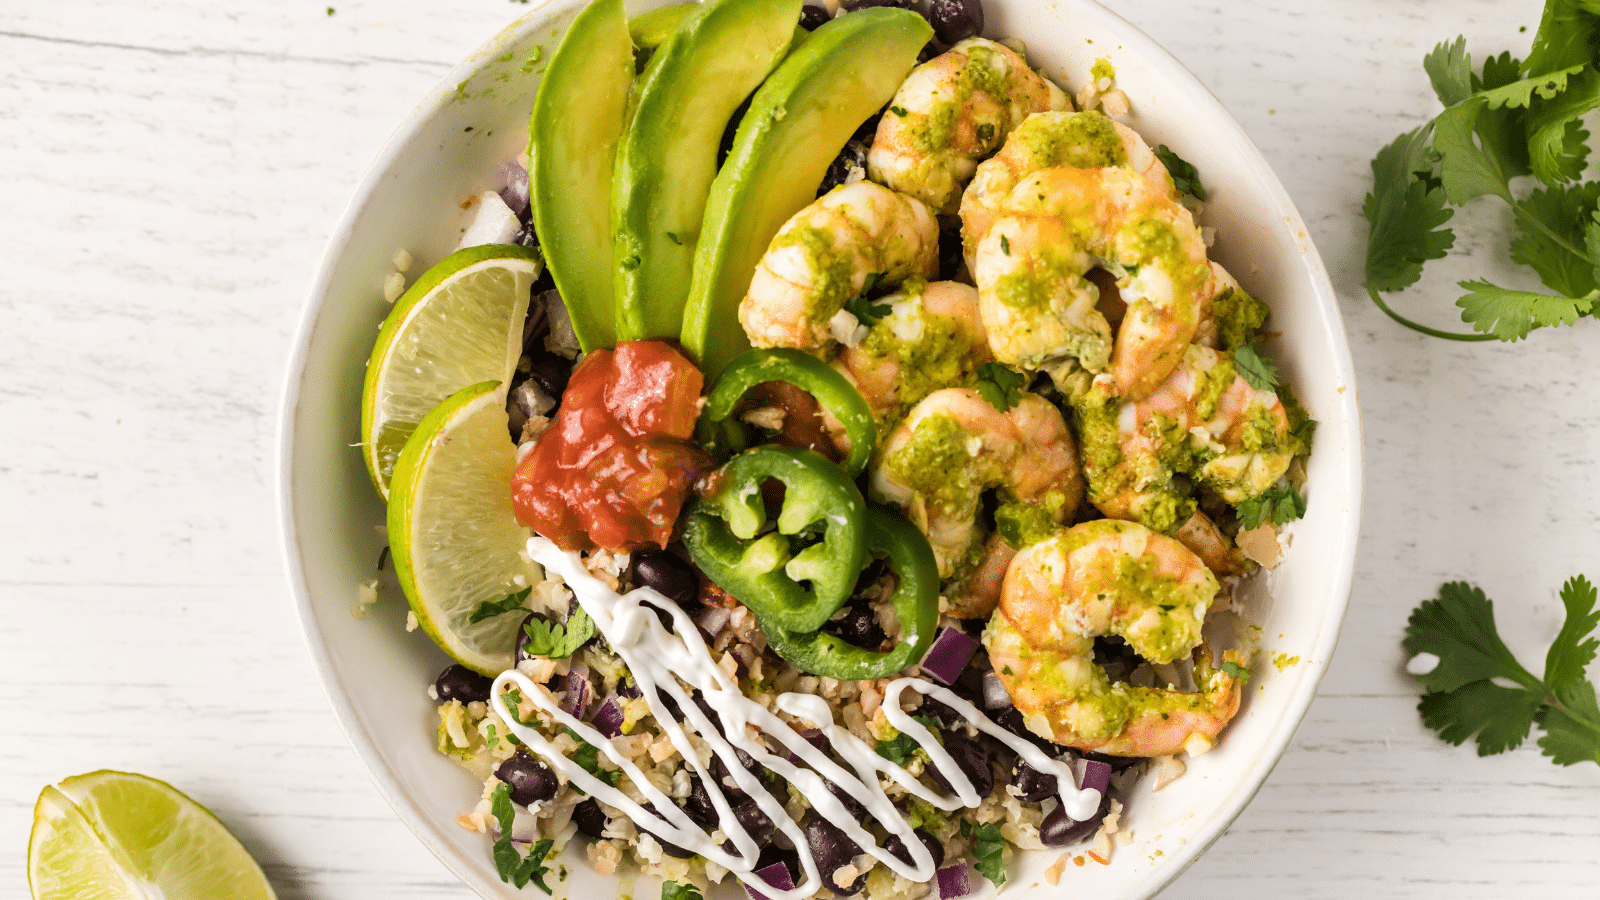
x,y
118,836
461,323
453,535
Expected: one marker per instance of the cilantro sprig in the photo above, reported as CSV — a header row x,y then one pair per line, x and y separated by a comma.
x,y
1479,690
1506,120
865,311
672,890
1184,175
488,609
1000,386
900,748
1255,368
557,641
989,851
1279,504
511,864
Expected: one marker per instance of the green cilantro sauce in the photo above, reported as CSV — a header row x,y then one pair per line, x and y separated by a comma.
x,y
1085,140
1239,318
935,463
831,279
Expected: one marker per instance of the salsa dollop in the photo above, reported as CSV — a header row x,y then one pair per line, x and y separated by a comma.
x,y
613,469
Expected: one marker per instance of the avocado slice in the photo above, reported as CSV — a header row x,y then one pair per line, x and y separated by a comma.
x,y
695,80
649,29
799,120
577,122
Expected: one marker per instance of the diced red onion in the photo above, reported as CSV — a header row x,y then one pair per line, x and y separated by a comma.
x,y
776,875
744,653
576,690
1096,775
954,882
608,718
949,655
515,193
995,695
712,619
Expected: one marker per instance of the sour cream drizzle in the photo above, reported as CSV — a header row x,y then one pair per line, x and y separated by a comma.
x,y
659,658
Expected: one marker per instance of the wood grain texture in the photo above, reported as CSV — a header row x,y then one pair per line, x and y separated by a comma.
x,y
173,169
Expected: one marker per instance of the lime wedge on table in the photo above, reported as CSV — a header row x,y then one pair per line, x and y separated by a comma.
x,y
118,836
452,532
460,324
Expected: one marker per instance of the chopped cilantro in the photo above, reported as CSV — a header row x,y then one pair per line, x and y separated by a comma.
x,y
671,890
1281,503
548,639
989,851
490,608
1235,671
865,311
512,865
1000,386
490,739
1255,368
985,132
587,756
674,238
900,748
1184,175
1005,245
1479,690
899,111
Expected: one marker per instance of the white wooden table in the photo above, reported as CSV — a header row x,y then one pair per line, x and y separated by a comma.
x,y
171,170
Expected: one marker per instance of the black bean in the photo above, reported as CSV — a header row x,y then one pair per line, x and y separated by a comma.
x,y
1032,784
897,847
530,780
852,157
589,819
956,20
813,17
549,371
1011,720
941,713
1058,829
753,820
858,626
667,847
698,804
851,804
833,850
971,758
461,683
664,572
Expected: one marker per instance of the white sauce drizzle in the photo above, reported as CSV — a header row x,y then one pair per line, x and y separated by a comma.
x,y
659,658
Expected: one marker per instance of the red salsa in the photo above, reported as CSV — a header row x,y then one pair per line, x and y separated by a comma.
x,y
613,469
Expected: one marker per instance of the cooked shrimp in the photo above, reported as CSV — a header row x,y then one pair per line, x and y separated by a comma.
x,y
1047,140
1096,579
932,338
952,111
954,446
824,255
1039,305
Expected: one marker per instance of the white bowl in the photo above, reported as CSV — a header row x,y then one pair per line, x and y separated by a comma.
x,y
452,146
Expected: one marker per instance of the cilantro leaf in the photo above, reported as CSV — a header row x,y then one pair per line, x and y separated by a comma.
x,y
865,311
1184,175
1575,646
557,641
1458,627
1556,136
587,756
512,865
1235,671
1509,315
1479,150
1404,213
1479,690
1280,504
1255,368
900,748
1552,222
1449,68
1500,717
1572,731
490,608
671,890
989,852
1000,386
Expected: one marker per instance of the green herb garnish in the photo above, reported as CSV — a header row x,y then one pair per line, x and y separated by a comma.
x,y
1184,175
1000,386
1477,689
548,639
512,865
491,608
989,851
671,890
1506,120
1255,368
1281,503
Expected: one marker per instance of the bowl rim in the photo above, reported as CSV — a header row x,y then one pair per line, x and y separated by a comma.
x,y
362,742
